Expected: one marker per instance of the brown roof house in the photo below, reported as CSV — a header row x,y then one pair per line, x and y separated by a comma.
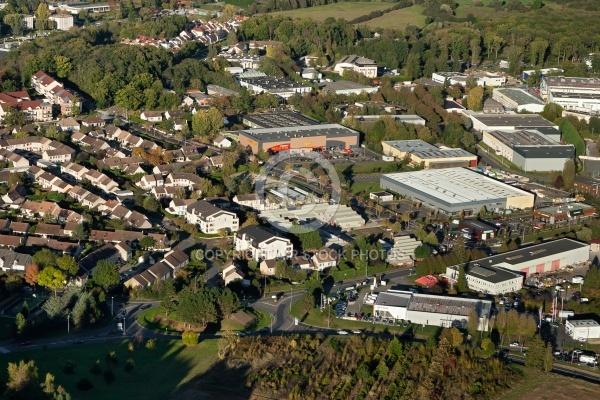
x,y
325,258
231,273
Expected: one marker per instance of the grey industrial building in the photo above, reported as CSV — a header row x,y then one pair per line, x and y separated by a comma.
x,y
545,257
489,279
529,149
511,122
283,119
426,309
454,191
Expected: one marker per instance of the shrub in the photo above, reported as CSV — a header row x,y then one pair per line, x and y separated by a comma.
x,y
96,368
84,384
150,344
109,376
129,365
190,338
111,358
69,367
130,346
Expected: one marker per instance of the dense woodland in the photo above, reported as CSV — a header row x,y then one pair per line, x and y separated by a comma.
x,y
373,368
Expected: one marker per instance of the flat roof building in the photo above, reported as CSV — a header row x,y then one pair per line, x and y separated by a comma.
x,y
529,149
572,93
404,118
489,279
280,87
299,138
545,257
283,119
434,310
453,191
346,87
427,155
565,212
504,122
518,100
583,329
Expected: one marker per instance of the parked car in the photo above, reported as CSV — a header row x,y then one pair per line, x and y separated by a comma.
x,y
515,344
357,331
342,332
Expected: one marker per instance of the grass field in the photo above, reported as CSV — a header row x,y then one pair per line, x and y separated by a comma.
x,y
364,188
399,19
338,10
547,386
157,374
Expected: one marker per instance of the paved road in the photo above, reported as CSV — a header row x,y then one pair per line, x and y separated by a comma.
x,y
562,369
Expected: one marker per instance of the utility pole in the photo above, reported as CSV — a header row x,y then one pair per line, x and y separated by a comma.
x,y
68,323
112,306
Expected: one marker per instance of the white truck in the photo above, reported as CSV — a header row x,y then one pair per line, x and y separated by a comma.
x,y
588,358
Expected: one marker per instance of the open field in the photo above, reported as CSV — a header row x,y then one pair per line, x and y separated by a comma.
x,y
547,386
157,374
338,10
399,19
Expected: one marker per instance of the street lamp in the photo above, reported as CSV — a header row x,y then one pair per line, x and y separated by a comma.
x,y
68,323
112,306
272,318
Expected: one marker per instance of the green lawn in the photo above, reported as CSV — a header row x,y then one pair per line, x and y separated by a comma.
x,y
398,19
364,188
354,273
157,373
346,10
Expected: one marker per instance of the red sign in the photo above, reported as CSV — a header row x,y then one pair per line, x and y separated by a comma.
x,y
280,147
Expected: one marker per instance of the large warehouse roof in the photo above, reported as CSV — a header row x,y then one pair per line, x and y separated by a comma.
x,y
278,120
531,253
424,150
455,185
530,137
513,120
520,96
273,134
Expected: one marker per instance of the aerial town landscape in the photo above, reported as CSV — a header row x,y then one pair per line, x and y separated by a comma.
x,y
299,199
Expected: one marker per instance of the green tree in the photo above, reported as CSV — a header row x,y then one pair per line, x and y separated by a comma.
x,y
20,323
228,302
168,305
585,234
461,281
310,240
473,322
475,99
453,336
80,232
539,355
22,381
568,174
68,265
44,258
42,13
431,239
63,66
16,23
106,274
51,278
151,204
147,242
422,251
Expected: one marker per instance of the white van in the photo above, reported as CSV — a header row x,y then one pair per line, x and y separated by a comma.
x,y
584,300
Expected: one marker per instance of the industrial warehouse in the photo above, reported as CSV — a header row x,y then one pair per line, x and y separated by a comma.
x,y
298,139
488,279
427,155
539,258
529,150
281,119
426,309
454,191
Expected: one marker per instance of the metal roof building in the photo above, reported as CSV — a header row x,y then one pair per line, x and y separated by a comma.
x,y
428,155
456,190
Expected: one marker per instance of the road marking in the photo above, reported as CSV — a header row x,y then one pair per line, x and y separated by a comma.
x,y
4,350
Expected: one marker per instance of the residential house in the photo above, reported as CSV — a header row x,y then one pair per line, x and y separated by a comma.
x,y
163,192
15,195
13,160
176,259
93,122
300,262
268,267
48,230
222,142
325,258
59,155
183,179
19,228
251,200
63,248
231,272
10,241
12,261
172,114
69,124
76,171
211,219
108,252
151,181
261,244
151,116
34,110
34,209
54,91
179,206
125,250
216,161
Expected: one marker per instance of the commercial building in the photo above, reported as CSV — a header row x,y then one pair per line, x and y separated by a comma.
x,y
276,86
543,72
489,279
299,138
565,212
283,119
518,100
539,258
346,87
360,65
583,329
458,78
587,185
477,230
425,309
76,7
529,149
338,215
575,94
403,251
456,191
427,155
511,122
409,119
